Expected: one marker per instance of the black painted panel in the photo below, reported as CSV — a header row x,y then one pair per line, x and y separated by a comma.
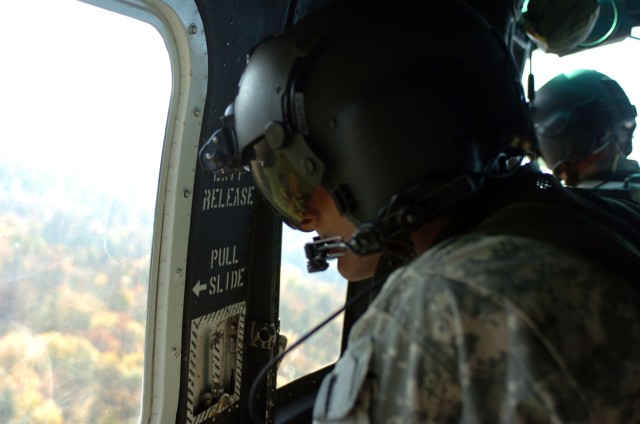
x,y
221,300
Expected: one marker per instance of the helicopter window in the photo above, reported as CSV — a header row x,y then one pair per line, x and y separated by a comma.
x,y
84,109
612,60
305,300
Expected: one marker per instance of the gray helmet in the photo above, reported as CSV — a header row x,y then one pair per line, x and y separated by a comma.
x,y
370,98
578,115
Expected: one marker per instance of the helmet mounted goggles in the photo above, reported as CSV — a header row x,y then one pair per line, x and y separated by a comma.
x,y
284,168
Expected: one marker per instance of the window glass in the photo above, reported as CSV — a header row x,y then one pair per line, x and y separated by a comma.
x,y
305,301
85,95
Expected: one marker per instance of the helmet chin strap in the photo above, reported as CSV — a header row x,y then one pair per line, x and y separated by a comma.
x,y
397,251
390,234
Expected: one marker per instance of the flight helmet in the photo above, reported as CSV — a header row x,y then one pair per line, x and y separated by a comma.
x,y
582,118
370,98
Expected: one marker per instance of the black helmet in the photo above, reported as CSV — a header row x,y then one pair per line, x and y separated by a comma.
x,y
579,115
368,98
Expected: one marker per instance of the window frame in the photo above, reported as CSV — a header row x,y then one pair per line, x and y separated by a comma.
x,y
181,28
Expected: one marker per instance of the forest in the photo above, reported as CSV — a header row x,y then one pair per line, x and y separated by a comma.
x,y
74,271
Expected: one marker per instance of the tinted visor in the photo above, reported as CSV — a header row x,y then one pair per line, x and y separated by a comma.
x,y
280,182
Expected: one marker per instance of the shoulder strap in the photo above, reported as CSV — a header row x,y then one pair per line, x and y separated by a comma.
x,y
600,230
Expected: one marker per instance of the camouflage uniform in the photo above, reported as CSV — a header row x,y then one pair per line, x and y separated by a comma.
x,y
492,328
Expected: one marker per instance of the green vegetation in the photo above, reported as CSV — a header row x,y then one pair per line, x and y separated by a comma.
x,y
72,331
305,301
74,266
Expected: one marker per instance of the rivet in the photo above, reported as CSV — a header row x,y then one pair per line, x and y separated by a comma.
x,y
308,165
263,335
275,135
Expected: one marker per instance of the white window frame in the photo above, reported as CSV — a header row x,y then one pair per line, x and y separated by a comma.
x,y
179,24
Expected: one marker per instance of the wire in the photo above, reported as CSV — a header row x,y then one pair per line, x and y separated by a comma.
x,y
531,86
263,372
614,24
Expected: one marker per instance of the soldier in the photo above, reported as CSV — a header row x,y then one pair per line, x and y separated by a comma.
x,y
398,129
585,124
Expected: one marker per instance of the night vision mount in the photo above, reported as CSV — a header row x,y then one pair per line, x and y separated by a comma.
x,y
219,154
366,241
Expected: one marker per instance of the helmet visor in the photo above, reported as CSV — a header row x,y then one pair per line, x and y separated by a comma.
x,y
280,182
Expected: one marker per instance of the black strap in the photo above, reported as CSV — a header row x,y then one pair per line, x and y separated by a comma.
x,y
601,230
568,230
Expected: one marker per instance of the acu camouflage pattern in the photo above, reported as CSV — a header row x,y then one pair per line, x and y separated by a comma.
x,y
489,329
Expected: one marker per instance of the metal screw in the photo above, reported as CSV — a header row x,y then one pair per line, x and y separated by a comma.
x,y
308,165
192,29
179,272
187,193
263,335
196,112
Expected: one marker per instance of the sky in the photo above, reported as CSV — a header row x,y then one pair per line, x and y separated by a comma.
x,y
68,65
83,89
77,80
